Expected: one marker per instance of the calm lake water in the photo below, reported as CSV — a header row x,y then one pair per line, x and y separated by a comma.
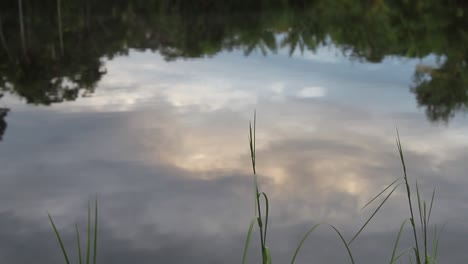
x,y
147,105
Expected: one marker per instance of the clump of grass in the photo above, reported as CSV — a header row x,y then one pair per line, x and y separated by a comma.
x,y
424,217
88,244
266,254
421,255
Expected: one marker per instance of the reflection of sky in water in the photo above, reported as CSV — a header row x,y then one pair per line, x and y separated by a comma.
x,y
164,145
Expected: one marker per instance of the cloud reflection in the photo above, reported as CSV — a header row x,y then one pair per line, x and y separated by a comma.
x,y
169,161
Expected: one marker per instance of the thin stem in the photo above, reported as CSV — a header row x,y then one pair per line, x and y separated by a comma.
x,y
408,192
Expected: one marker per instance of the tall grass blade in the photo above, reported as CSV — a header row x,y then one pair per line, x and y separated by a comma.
x,y
402,254
59,240
408,192
393,259
252,147
430,206
299,246
266,216
88,244
419,206
380,193
345,244
258,210
436,242
425,233
95,230
252,158
268,255
79,244
254,132
247,241
373,214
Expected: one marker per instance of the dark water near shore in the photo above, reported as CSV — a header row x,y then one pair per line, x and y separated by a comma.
x,y
146,105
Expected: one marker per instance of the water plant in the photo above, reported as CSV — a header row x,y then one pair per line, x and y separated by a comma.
x,y
266,254
88,241
421,254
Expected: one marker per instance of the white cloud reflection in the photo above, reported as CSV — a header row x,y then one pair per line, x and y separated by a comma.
x,y
311,92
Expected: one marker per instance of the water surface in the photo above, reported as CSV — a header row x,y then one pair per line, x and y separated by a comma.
x,y
147,106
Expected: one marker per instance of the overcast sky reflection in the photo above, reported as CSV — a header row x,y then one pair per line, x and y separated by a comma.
x,y
164,147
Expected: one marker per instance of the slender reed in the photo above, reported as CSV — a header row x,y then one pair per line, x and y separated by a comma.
x,y
420,257
88,244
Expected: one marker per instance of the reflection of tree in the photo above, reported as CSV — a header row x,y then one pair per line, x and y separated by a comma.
x,y
35,64
443,91
51,50
3,124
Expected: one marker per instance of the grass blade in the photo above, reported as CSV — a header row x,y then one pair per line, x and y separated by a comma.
x,y
373,214
59,240
401,254
345,244
254,131
380,193
268,255
88,244
79,244
430,206
266,216
302,242
408,192
95,230
436,242
252,147
247,241
419,206
425,232
393,259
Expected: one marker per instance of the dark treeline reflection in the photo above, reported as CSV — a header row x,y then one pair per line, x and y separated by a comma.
x,y
51,50
3,124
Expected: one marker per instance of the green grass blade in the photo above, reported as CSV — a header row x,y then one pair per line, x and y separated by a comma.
x,y
302,242
260,225
436,242
425,232
247,241
408,192
59,240
252,158
254,132
380,193
255,195
419,206
416,255
252,147
79,244
373,214
266,216
393,259
434,247
402,254
268,255
345,244
95,230
430,206
88,244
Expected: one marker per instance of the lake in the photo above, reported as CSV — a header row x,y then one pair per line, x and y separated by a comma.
x,y
146,106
